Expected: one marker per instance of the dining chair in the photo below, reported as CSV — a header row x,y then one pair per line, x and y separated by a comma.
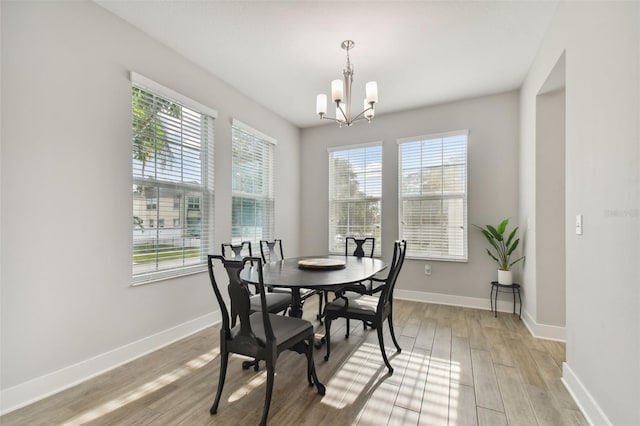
x,y
272,251
370,308
260,334
275,302
359,247
363,247
236,251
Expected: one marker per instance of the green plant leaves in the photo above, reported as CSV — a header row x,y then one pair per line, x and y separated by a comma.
x,y
503,249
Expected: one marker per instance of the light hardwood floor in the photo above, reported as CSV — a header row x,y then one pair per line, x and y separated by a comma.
x,y
458,366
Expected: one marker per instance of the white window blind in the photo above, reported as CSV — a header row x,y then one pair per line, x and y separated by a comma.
x,y
433,196
355,195
253,205
172,158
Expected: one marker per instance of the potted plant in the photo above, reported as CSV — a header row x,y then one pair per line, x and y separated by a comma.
x,y
503,248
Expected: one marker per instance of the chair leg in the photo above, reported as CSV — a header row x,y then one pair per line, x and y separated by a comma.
x,y
327,336
393,334
248,364
267,399
384,353
320,296
309,354
348,328
311,369
224,360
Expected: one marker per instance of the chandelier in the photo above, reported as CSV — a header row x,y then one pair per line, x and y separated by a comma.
x,y
341,95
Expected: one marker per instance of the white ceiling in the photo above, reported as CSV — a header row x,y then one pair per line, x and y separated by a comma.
x,y
282,54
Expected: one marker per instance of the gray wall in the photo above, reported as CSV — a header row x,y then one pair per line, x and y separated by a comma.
x,y
550,214
601,42
492,185
68,309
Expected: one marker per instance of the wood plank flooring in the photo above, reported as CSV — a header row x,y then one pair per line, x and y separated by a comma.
x,y
458,366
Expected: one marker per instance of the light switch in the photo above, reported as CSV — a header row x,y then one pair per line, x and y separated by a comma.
x,y
579,224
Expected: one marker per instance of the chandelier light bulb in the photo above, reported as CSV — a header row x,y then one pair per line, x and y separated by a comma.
x,y
337,88
372,92
321,104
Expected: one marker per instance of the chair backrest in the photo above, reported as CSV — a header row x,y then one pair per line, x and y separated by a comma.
x,y
271,250
399,251
239,295
363,246
237,252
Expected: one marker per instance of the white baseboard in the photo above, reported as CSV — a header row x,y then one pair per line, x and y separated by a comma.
x,y
33,390
541,331
582,397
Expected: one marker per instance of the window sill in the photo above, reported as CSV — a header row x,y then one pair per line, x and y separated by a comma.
x,y
167,275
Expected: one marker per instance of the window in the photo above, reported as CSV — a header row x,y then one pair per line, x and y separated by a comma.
x,y
355,194
172,157
252,213
433,196
194,203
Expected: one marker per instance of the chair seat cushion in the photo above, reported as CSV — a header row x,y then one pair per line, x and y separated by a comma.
x,y
276,302
284,328
361,304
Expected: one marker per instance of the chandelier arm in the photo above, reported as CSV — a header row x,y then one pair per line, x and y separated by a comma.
x,y
344,113
324,117
361,115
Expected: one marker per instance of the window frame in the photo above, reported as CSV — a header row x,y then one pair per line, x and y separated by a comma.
x,y
463,196
205,187
339,248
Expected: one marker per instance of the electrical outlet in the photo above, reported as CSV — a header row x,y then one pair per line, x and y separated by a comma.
x,y
427,269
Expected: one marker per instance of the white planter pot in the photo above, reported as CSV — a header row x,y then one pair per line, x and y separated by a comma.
x,y
505,277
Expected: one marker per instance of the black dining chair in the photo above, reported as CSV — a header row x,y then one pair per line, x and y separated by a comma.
x,y
363,246
260,335
358,247
370,308
236,252
276,302
272,251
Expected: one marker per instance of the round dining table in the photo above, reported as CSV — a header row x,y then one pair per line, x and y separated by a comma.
x,y
312,272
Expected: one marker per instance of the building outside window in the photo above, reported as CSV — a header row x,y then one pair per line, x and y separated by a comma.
x,y
355,195
433,195
253,204
172,158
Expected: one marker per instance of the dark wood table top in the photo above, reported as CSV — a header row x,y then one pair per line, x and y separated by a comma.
x,y
286,273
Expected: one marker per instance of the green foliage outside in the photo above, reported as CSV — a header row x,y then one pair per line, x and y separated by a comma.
x,y
149,137
353,218
146,253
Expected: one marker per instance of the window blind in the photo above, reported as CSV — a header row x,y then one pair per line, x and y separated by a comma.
x,y
172,159
433,196
355,195
253,204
